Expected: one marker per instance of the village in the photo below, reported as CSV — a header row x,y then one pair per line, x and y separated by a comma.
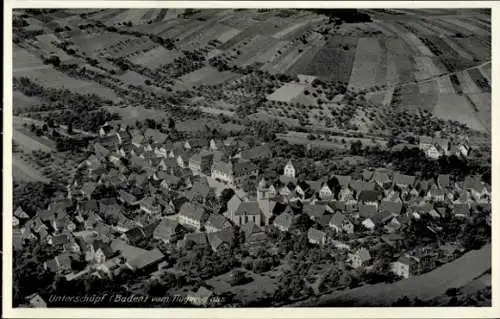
x,y
179,217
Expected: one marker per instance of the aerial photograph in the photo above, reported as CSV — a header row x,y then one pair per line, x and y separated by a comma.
x,y
227,158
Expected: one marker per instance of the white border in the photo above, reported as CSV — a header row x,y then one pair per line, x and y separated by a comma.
x,y
9,312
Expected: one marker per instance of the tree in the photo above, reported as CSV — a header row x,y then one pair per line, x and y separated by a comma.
x,y
70,128
171,123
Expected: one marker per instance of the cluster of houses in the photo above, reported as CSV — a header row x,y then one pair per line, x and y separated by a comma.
x,y
434,147
173,193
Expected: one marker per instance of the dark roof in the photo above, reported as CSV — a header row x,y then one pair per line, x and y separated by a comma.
x,y
197,238
127,197
380,177
461,209
88,188
443,180
135,234
147,258
248,208
250,228
105,247
359,185
166,228
367,211
156,135
369,196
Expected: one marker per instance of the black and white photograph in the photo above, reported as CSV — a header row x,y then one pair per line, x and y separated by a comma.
x,y
251,157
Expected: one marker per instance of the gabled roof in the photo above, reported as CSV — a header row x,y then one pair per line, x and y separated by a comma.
x,y
359,185
147,258
367,174
248,208
20,213
197,238
474,183
89,187
242,167
223,167
391,206
156,135
218,238
219,222
250,228
105,248
338,219
192,211
381,177
367,211
369,196
344,180
138,139
315,234
260,151
402,179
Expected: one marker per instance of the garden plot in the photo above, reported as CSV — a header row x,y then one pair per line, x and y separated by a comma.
x,y
206,76
425,68
399,54
467,84
485,70
93,44
415,41
51,78
287,92
228,34
334,61
445,86
155,57
464,25
366,64
134,78
24,60
23,102
45,42
457,108
464,54
251,52
482,102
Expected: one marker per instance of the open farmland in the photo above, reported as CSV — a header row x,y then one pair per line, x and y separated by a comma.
x,y
155,57
205,76
458,108
367,64
52,78
22,102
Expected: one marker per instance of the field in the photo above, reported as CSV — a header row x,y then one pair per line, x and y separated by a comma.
x,y
367,64
155,57
29,142
457,108
22,171
22,102
287,92
52,78
205,76
427,286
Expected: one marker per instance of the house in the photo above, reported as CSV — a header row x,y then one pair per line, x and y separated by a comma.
x,y
147,261
36,301
195,144
149,205
403,181
201,163
436,193
476,187
134,235
339,222
99,252
254,235
221,240
200,192
247,211
284,221
191,215
369,197
124,137
242,170
406,266
367,214
222,171
216,145
183,159
359,186
197,239
393,207
381,178
343,180
443,181
21,214
430,147
101,152
155,135
393,226
326,193
360,258
316,237
61,264
126,198
461,210
216,223
289,170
